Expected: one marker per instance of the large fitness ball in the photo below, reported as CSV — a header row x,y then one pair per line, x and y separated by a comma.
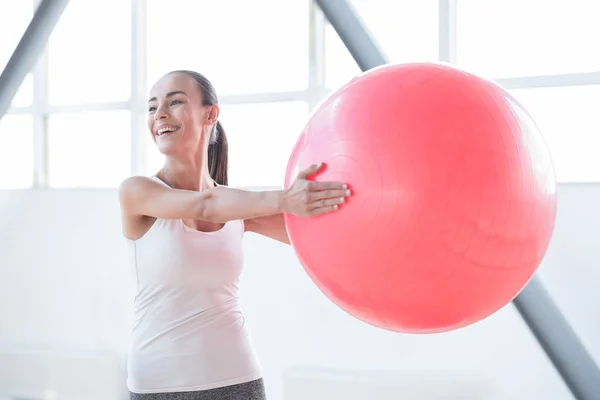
x,y
454,198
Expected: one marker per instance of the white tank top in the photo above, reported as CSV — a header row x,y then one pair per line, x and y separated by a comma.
x,y
189,332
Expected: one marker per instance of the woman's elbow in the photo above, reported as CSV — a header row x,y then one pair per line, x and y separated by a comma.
x,y
206,208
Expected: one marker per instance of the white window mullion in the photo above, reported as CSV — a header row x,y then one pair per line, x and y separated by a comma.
x,y
87,107
316,57
40,118
276,97
526,82
28,110
138,86
447,31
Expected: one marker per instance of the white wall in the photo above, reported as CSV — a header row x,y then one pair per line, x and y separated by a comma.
x,y
66,285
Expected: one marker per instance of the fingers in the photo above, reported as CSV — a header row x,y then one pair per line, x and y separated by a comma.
x,y
327,185
328,194
326,203
304,174
324,210
320,197
326,197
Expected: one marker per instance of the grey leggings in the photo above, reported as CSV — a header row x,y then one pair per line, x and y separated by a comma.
x,y
254,390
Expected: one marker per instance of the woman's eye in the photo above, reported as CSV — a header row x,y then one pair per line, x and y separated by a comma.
x,y
173,103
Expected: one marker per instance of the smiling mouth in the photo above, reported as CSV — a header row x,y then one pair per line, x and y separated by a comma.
x,y
167,130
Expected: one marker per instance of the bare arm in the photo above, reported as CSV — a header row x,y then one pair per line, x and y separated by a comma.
x,y
272,226
142,197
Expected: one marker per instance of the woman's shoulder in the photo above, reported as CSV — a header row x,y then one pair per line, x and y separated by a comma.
x,y
139,180
135,184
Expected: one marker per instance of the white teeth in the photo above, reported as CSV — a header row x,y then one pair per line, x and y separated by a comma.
x,y
166,129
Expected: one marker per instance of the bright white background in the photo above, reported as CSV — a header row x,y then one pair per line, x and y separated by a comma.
x,y
85,103
78,125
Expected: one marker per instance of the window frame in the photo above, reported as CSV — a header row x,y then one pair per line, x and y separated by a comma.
x,y
314,93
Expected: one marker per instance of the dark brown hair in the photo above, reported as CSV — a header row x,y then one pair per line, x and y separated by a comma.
x,y
217,145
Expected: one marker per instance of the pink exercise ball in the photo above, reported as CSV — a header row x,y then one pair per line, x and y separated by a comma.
x,y
454,198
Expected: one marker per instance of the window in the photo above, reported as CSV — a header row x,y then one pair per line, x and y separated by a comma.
x,y
89,53
241,46
90,149
16,152
261,137
405,31
569,121
11,32
24,96
340,67
512,38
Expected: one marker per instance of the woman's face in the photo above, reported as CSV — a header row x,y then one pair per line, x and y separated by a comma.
x,y
177,119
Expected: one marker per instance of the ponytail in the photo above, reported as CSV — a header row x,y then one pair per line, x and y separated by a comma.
x,y
217,155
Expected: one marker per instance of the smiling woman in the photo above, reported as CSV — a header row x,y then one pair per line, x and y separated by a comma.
x,y
185,227
163,129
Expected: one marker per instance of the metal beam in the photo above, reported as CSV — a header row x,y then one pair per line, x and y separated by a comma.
x,y
29,49
548,325
559,341
353,34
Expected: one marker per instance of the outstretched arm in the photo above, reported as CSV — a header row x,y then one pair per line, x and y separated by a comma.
x,y
272,226
142,197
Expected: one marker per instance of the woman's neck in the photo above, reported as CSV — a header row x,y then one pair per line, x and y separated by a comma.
x,y
186,176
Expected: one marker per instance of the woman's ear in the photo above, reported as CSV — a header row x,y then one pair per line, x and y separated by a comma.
x,y
213,114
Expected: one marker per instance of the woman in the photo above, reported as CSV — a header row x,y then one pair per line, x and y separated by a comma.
x,y
185,226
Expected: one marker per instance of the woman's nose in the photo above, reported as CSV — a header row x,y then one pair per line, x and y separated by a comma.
x,y
161,113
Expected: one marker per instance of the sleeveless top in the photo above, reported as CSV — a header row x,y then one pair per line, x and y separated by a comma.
x,y
189,331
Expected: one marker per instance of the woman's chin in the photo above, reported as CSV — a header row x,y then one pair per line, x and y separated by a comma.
x,y
166,143
167,149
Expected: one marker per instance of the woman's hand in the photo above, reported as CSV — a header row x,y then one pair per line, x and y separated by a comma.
x,y
306,198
